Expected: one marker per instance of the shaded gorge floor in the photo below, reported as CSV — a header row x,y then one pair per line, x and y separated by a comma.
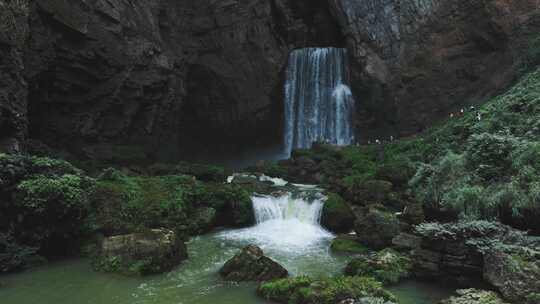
x,y
195,281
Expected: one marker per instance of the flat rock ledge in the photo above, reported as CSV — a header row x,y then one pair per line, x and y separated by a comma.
x,y
149,252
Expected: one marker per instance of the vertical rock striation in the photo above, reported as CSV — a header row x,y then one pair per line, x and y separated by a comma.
x,y
13,86
416,61
134,80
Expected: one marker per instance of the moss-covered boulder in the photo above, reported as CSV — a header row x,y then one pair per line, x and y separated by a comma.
x,y
304,290
252,265
202,220
387,266
376,227
124,204
367,192
474,296
347,244
149,252
336,214
515,274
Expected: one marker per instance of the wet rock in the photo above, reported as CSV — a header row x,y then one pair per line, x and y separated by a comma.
x,y
387,266
516,274
406,241
252,265
376,228
149,252
474,296
472,251
348,244
325,290
337,215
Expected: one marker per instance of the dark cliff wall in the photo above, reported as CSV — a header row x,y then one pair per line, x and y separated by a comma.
x,y
134,80
143,80
13,87
415,61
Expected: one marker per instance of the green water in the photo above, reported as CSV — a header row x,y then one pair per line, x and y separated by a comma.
x,y
195,281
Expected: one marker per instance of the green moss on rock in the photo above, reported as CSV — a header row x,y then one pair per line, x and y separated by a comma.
x,y
304,290
336,214
387,266
148,252
346,244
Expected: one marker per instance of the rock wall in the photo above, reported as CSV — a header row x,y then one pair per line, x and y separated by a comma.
x,y
13,87
415,61
134,80
143,80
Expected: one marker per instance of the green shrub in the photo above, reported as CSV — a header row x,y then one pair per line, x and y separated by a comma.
x,y
125,204
207,173
489,155
13,256
52,209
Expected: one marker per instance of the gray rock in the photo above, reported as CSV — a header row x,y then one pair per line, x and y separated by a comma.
x,y
376,228
149,252
516,275
251,265
474,296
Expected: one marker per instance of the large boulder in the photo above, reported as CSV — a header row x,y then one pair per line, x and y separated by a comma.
x,y
149,252
388,266
347,244
337,215
516,275
343,290
474,296
252,265
376,228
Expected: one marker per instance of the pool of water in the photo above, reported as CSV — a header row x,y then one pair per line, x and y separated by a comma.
x,y
195,281
287,230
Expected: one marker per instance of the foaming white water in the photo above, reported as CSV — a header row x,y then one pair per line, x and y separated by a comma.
x,y
284,224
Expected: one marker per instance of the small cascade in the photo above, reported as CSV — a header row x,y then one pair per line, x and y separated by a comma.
x,y
286,224
319,105
284,208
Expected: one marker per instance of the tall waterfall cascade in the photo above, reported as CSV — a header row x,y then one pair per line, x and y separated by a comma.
x,y
319,105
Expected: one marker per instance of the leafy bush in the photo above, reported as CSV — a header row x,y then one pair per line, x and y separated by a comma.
x,y
489,155
52,209
129,203
13,256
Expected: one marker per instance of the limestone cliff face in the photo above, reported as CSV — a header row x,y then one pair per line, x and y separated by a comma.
x,y
141,80
13,87
132,80
417,60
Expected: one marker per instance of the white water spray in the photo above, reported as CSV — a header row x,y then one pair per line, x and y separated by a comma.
x,y
284,224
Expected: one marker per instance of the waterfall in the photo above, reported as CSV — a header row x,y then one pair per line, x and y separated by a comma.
x,y
284,224
284,208
318,101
